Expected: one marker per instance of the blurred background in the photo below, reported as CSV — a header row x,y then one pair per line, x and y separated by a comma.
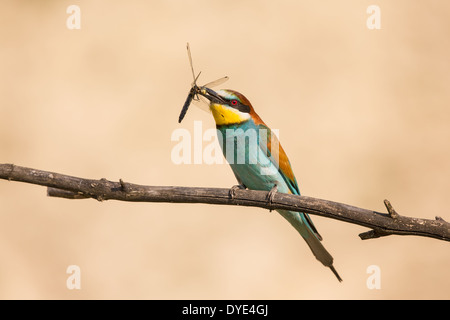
x,y
364,115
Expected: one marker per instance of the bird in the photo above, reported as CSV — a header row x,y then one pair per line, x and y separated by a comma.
x,y
251,150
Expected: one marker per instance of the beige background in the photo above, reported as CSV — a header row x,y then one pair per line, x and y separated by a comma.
x,y
363,114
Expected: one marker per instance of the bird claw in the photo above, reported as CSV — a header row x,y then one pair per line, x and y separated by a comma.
x,y
271,195
232,192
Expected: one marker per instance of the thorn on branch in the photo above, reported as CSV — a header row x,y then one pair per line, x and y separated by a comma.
x,y
123,186
373,234
378,232
392,213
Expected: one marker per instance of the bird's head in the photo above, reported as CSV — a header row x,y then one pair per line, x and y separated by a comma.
x,y
228,106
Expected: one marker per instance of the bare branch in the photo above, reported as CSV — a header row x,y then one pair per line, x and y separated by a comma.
x,y
382,224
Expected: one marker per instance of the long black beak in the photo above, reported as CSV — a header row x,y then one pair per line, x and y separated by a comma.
x,y
211,95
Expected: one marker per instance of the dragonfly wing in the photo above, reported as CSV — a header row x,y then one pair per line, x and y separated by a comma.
x,y
216,83
202,103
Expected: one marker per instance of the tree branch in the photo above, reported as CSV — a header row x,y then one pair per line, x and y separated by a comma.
x,y
382,224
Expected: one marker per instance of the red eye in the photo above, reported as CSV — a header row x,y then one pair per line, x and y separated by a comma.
x,y
234,102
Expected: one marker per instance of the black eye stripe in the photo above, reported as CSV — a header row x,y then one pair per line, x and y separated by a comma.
x,y
240,106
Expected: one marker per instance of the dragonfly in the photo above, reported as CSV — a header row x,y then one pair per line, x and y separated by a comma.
x,y
195,89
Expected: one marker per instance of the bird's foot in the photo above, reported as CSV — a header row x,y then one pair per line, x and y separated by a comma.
x,y
232,192
271,194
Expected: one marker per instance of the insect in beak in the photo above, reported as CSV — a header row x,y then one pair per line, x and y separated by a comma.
x,y
195,89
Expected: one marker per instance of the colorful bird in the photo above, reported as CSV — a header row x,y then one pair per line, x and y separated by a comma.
x,y
258,160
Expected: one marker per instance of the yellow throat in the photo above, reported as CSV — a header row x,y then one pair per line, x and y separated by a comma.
x,y
224,115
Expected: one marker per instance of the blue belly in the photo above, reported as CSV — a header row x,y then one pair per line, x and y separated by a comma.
x,y
249,162
254,169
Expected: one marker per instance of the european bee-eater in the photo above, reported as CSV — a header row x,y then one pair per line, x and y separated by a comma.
x,y
255,162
